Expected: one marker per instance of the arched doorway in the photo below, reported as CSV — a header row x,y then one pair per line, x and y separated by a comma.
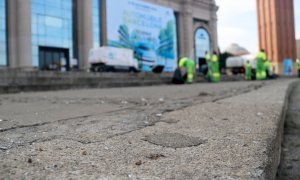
x,y
202,44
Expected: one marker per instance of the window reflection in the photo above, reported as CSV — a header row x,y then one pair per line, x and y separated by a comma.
x,y
51,25
96,22
3,55
53,22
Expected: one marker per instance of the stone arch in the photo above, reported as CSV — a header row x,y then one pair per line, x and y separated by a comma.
x,y
199,54
205,26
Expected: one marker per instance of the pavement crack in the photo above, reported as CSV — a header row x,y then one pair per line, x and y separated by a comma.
x,y
24,126
44,123
61,120
124,133
26,143
242,91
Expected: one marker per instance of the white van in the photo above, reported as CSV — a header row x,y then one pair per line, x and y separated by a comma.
x,y
236,64
111,59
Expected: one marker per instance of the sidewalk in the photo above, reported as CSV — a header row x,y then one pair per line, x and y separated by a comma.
x,y
233,138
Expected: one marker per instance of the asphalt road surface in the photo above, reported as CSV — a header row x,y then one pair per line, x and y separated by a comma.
x,y
48,133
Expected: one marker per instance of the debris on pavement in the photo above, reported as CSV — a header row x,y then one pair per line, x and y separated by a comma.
x,y
138,163
204,94
29,160
155,156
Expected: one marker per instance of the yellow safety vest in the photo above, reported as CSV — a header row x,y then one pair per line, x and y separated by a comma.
x,y
207,57
248,65
298,65
182,62
267,65
215,58
262,56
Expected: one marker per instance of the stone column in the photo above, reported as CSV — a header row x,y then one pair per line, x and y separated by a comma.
x,y
214,34
84,31
214,27
185,29
103,23
19,34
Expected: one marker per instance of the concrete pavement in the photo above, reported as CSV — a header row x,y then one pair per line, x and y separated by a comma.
x,y
290,164
203,131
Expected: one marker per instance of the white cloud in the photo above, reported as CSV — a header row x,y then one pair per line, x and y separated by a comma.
x,y
237,23
230,35
232,30
238,35
235,7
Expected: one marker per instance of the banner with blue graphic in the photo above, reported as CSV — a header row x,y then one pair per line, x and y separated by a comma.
x,y
149,30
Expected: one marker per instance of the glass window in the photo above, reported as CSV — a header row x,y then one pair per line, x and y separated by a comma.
x,y
3,52
53,21
96,22
202,42
52,25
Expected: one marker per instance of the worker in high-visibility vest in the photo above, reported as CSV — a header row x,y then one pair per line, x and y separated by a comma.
x,y
248,70
267,68
261,57
298,67
189,66
215,76
208,64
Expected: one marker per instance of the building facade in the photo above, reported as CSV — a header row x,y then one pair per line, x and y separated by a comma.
x,y
298,48
50,34
277,30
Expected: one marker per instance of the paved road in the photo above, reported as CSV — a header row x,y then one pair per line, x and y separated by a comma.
x,y
290,165
49,133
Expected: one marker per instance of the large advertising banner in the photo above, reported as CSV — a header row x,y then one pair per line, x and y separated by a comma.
x,y
202,43
149,30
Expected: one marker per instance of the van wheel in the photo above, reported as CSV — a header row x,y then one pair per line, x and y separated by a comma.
x,y
235,71
132,70
92,69
111,69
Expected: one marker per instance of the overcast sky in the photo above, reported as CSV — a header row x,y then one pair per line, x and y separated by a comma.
x,y
237,23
